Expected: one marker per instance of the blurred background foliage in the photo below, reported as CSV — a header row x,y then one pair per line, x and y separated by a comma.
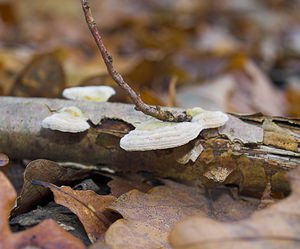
x,y
231,55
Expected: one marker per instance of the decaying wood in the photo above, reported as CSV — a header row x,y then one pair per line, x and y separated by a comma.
x,y
247,151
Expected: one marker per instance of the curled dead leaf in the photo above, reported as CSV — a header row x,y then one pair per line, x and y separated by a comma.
x,y
87,205
48,234
43,170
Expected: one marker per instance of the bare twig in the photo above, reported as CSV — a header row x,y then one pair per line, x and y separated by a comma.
x,y
155,112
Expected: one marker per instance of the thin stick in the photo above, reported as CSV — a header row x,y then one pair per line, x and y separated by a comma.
x,y
155,112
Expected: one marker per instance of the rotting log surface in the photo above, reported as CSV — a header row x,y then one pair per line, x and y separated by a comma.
x,y
248,151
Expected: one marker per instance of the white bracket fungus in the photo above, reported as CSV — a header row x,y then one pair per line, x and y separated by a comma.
x,y
67,119
89,93
155,134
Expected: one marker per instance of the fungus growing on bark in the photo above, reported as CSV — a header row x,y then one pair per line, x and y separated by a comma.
x,y
155,134
67,119
208,119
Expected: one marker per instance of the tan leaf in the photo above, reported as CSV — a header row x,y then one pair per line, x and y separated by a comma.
x,y
42,77
121,185
87,205
43,170
148,217
46,235
275,227
246,90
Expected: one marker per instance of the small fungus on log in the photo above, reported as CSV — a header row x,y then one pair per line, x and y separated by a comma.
x,y
89,93
156,134
67,119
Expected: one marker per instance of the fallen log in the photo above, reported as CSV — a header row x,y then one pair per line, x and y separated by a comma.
x,y
249,151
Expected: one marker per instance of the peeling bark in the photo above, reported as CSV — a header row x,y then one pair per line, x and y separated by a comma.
x,y
248,151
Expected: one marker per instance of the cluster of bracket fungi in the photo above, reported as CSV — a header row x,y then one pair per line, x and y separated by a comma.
x,y
151,135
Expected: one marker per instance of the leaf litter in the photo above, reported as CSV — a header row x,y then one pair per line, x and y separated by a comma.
x,y
43,170
47,234
86,204
36,62
274,227
146,218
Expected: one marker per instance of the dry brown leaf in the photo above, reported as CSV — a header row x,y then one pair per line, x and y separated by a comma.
x,y
275,227
43,170
42,77
87,205
246,90
46,235
121,185
254,92
148,217
265,97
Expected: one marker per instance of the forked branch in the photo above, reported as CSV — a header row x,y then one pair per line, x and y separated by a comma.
x,y
155,112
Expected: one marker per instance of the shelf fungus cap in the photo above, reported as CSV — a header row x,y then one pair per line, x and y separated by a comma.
x,y
67,119
156,135
89,93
